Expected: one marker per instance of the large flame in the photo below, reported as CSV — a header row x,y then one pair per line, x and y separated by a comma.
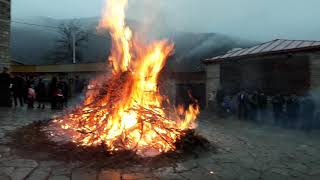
x,y
126,111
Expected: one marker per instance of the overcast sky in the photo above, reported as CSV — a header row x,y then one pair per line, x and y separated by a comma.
x,y
250,19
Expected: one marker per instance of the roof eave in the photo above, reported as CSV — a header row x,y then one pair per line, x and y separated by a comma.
x,y
220,60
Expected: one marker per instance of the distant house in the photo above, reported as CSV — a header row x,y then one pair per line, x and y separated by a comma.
x,y
278,66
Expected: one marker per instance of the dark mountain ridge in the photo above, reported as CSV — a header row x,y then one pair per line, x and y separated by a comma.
x,y
31,44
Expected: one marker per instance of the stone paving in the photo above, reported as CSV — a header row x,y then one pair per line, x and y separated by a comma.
x,y
246,151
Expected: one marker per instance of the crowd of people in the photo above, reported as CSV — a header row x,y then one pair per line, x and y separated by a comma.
x,y
288,111
18,91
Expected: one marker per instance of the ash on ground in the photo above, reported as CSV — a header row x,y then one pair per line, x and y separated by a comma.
x,y
32,141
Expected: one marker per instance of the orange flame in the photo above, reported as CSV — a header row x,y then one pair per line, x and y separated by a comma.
x,y
130,114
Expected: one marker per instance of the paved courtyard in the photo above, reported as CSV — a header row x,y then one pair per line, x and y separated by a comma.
x,y
245,151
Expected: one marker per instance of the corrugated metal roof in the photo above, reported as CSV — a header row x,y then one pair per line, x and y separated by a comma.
x,y
274,46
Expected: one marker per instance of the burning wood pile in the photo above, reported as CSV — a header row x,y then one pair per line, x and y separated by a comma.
x,y
32,142
126,110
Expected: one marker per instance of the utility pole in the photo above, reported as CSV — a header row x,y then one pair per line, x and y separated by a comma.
x,y
73,48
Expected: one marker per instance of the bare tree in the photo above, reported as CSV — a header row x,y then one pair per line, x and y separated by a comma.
x,y
72,35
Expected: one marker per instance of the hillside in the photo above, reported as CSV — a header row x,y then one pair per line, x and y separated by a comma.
x,y
31,44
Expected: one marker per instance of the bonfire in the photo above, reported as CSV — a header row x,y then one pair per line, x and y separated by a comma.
x,y
125,110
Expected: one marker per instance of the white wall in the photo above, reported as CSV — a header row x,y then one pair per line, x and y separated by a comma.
x,y
212,79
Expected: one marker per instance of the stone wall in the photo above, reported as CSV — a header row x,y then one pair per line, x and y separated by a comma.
x,y
5,16
212,80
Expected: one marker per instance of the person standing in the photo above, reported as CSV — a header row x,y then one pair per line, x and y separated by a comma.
x,y
262,105
18,90
316,122
41,93
31,96
253,106
242,105
293,109
277,103
78,85
5,81
227,104
63,86
29,83
53,90
307,113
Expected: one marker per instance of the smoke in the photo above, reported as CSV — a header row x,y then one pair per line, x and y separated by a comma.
x,y
247,19
254,20
151,16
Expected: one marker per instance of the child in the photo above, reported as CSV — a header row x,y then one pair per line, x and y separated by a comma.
x,y
59,99
31,96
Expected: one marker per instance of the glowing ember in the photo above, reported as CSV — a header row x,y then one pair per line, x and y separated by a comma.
x,y
126,111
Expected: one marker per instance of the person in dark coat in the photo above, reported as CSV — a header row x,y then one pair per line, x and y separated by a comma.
x,y
316,122
18,89
53,89
78,85
307,113
5,81
262,106
63,86
293,111
41,93
242,105
277,103
253,106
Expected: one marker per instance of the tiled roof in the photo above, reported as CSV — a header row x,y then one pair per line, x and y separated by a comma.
x,y
275,46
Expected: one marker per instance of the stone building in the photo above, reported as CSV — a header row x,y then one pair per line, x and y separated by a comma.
x,y
278,66
5,16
